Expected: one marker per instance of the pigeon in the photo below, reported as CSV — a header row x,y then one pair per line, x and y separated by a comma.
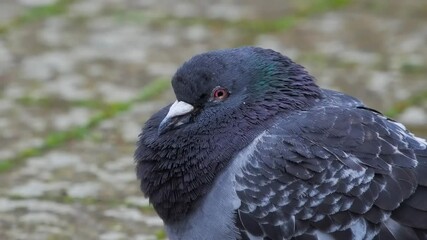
x,y
252,148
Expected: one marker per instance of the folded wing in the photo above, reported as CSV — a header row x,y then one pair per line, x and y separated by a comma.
x,y
344,173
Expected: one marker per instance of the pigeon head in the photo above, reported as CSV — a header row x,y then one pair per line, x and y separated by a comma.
x,y
225,98
214,85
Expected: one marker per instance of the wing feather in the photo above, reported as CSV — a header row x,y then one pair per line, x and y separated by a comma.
x,y
334,171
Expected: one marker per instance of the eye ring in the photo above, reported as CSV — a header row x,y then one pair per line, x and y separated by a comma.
x,y
220,93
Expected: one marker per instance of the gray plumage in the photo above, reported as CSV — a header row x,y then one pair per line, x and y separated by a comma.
x,y
254,149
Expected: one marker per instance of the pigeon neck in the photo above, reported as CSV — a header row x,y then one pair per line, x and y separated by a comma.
x,y
178,169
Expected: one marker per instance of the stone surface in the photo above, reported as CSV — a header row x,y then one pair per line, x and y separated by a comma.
x,y
62,68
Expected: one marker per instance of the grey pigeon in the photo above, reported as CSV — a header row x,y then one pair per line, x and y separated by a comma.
x,y
253,149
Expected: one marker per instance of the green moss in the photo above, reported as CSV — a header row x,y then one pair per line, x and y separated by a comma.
x,y
161,234
411,68
29,152
149,210
266,26
96,137
4,28
58,102
310,7
152,90
401,106
36,14
110,202
55,236
132,16
5,165
303,10
41,12
56,139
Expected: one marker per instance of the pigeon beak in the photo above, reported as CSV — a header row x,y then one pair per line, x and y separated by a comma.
x,y
175,116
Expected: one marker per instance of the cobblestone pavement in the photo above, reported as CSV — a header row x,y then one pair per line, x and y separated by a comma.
x,y
78,78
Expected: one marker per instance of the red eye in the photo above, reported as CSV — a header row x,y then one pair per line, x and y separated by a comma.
x,y
220,93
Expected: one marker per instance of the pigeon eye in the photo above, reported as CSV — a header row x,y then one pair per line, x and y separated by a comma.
x,y
220,93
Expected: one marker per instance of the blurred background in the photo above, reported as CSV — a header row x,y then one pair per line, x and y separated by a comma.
x,y
78,78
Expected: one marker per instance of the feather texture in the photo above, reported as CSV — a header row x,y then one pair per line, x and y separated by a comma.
x,y
277,157
335,170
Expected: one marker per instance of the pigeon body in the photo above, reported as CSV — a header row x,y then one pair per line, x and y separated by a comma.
x,y
254,149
